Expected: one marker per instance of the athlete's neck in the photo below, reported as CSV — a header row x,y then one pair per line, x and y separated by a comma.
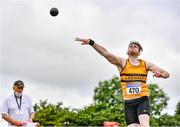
x,y
134,60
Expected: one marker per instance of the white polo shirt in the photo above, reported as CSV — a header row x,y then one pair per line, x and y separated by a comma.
x,y
10,107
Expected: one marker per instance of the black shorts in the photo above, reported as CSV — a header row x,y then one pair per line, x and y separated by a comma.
x,y
136,107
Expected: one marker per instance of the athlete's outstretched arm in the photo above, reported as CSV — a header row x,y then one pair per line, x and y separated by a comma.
x,y
101,50
158,72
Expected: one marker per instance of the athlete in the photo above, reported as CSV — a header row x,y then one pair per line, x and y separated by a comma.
x,y
133,74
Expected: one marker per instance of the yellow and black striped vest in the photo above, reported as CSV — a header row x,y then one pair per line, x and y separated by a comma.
x,y
133,80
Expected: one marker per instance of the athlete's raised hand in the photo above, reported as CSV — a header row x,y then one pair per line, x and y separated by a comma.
x,y
157,72
83,41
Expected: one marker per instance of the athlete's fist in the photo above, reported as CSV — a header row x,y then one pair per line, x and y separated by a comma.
x,y
157,74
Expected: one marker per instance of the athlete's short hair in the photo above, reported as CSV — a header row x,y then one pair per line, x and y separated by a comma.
x,y
138,44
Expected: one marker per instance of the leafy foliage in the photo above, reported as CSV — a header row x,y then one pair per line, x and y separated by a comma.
x,y
48,114
158,100
169,120
107,106
178,108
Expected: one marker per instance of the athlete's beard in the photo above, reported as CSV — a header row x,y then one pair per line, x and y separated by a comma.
x,y
132,53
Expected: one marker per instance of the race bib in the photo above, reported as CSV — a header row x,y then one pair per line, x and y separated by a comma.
x,y
133,88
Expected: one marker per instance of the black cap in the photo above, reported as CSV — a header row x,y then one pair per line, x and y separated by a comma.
x,y
19,83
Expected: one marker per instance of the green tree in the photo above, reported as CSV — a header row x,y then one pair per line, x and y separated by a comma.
x,y
177,112
107,106
95,115
109,92
158,100
48,114
109,95
169,120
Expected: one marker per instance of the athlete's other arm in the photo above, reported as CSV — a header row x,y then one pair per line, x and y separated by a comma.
x,y
104,52
157,71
